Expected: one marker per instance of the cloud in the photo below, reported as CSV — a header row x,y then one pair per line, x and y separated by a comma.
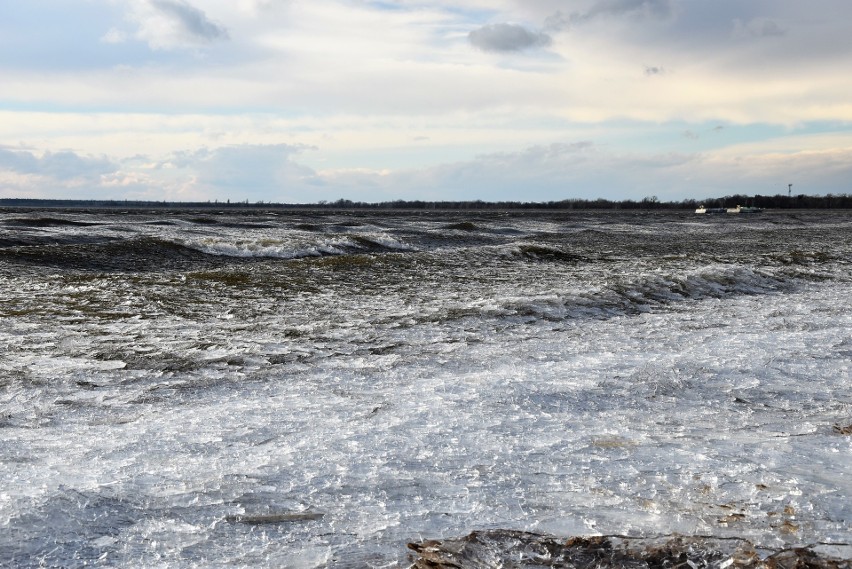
x,y
169,24
575,170
191,19
64,165
586,170
507,37
114,36
53,174
360,80
255,7
645,8
758,28
244,171
656,9
558,152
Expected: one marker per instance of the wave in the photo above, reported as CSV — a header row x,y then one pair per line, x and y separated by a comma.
x,y
289,249
463,226
626,297
264,250
40,222
108,253
131,255
47,240
312,227
545,253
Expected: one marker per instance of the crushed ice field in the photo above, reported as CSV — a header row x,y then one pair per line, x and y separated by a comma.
x,y
320,395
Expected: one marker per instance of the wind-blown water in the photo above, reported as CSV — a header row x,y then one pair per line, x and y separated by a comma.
x,y
185,389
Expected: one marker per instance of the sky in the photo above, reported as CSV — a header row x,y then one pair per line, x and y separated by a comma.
x,y
302,101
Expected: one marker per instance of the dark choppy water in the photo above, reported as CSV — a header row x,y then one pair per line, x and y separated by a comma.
x,y
195,389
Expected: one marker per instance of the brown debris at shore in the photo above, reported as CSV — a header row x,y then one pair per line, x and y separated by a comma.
x,y
507,549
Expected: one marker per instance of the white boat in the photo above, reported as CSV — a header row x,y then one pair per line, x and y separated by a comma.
x,y
702,209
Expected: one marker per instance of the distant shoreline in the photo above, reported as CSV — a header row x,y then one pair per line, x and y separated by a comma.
x,y
778,202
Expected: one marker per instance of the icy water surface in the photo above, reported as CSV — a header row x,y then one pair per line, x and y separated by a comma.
x,y
297,389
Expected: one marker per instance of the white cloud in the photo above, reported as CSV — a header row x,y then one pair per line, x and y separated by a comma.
x,y
114,36
258,7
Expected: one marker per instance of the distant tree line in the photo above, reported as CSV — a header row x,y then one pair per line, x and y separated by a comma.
x,y
830,201
801,201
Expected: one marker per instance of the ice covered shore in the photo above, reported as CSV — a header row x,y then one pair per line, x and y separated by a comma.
x,y
509,549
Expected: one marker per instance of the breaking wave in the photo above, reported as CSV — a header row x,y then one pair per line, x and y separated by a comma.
x,y
290,249
627,297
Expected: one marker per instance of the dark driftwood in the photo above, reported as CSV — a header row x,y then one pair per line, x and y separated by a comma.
x,y
285,517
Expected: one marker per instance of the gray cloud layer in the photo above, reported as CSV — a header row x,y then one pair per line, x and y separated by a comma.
x,y
611,8
59,165
507,37
759,27
191,19
252,171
